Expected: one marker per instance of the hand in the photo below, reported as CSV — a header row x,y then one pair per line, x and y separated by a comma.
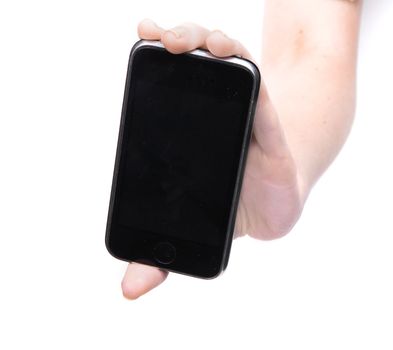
x,y
271,199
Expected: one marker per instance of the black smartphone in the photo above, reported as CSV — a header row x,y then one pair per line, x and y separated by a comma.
x,y
184,134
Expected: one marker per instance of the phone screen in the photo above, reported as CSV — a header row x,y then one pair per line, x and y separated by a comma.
x,y
183,132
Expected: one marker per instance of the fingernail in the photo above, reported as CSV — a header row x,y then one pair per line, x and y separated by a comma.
x,y
154,24
149,21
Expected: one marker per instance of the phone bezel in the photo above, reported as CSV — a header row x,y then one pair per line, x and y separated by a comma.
x,y
202,54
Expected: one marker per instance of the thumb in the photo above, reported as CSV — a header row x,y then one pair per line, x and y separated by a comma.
x,y
140,279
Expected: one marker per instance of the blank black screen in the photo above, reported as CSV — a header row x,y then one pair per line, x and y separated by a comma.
x,y
183,133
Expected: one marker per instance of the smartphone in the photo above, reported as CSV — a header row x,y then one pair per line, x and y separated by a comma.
x,y
184,133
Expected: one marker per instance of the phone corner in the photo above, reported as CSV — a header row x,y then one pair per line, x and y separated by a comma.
x,y
213,275
143,44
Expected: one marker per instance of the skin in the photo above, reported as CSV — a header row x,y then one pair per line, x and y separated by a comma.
x,y
304,113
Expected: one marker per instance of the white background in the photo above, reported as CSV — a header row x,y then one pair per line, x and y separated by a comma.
x,y
327,285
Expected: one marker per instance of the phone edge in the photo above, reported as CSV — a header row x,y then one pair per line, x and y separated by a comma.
x,y
241,62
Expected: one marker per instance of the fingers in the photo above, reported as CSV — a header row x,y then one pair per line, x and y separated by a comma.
x,y
190,36
148,30
185,37
221,45
139,279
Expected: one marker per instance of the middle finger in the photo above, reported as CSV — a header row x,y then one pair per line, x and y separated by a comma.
x,y
186,37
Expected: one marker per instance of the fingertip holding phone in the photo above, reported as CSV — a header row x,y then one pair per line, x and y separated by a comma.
x,y
185,129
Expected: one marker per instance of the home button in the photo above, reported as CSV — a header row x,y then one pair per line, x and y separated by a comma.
x,y
164,253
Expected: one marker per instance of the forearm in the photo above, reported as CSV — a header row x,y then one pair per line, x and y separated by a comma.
x,y
309,66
